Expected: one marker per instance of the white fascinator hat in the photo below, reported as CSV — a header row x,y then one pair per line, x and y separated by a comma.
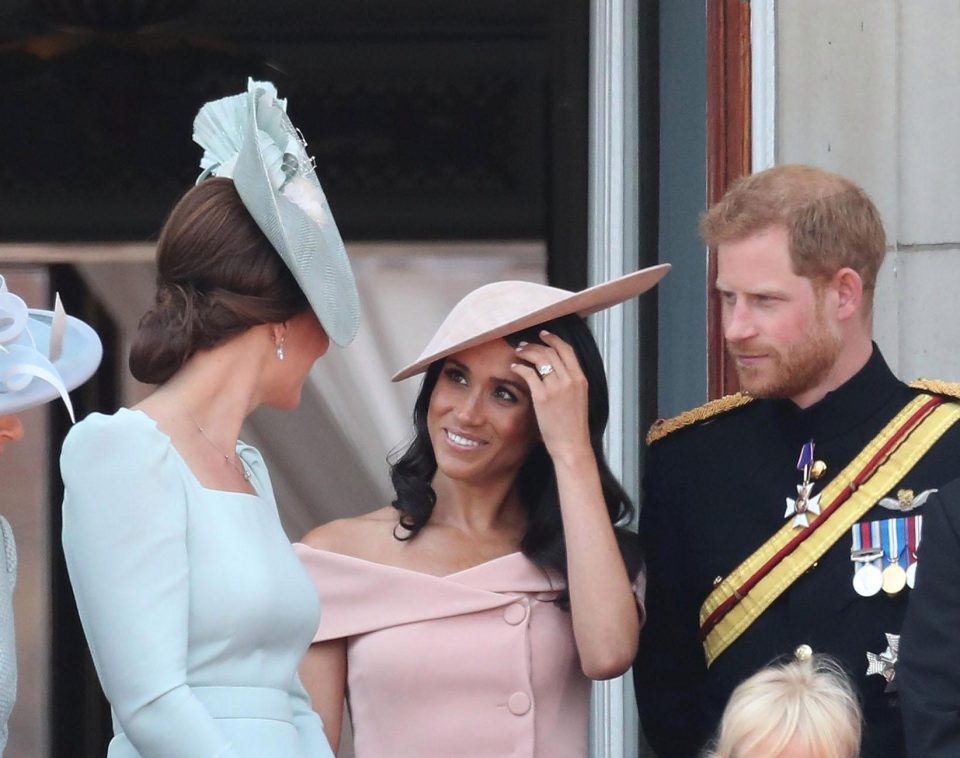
x,y
43,354
249,138
502,308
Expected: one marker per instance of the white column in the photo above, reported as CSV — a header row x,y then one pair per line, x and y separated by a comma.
x,y
613,250
763,84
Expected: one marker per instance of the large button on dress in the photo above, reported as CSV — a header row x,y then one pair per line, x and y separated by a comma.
x,y
515,613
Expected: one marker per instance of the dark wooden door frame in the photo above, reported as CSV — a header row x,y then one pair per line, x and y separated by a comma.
x,y
728,149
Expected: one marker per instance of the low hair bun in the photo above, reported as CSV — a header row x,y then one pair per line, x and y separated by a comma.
x,y
217,276
166,335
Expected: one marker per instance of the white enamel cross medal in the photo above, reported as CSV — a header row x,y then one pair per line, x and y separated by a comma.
x,y
804,505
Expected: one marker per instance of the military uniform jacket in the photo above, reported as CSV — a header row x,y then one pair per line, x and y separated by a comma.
x,y
713,493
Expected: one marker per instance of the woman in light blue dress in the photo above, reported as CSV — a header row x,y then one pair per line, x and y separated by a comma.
x,y
196,610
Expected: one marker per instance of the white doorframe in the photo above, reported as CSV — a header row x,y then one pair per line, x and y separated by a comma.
x,y
763,84
612,250
613,244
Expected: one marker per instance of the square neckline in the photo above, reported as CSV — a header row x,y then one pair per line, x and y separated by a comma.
x,y
186,466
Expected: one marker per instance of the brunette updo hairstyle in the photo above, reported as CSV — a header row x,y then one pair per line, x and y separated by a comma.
x,y
217,276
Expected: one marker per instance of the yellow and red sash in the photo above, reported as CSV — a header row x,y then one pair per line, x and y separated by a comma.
x,y
737,601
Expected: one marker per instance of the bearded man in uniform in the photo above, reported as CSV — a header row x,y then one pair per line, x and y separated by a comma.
x,y
784,520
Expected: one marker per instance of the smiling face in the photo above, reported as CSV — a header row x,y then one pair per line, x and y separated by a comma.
x,y
480,419
777,324
11,430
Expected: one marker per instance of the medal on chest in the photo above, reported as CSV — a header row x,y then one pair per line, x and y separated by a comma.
x,y
885,663
867,556
805,504
884,554
906,501
914,527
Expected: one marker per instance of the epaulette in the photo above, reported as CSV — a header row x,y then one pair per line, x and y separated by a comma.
x,y
664,426
937,387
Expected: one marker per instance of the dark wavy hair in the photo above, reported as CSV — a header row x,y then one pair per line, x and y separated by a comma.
x,y
412,473
217,276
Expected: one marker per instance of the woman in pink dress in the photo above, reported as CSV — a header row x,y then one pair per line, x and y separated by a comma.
x,y
469,617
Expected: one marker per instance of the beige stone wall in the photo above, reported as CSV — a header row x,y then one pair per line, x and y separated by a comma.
x,y
871,89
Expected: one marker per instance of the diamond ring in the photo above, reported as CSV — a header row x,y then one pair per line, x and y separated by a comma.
x,y
545,369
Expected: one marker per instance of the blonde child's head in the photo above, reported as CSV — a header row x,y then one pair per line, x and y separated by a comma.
x,y
801,709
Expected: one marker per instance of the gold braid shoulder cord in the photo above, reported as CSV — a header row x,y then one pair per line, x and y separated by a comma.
x,y
664,426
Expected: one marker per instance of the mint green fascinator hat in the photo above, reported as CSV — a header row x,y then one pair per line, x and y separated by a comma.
x,y
249,138
43,354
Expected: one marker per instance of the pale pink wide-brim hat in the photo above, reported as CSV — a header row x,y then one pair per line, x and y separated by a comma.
x,y
502,308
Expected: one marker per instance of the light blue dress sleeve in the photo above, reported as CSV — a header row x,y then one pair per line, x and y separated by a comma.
x,y
124,537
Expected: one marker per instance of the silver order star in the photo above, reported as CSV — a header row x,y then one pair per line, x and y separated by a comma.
x,y
885,664
803,506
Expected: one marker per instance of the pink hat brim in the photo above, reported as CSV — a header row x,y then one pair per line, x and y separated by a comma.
x,y
502,308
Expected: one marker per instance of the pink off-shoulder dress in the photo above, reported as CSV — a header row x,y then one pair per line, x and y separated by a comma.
x,y
475,664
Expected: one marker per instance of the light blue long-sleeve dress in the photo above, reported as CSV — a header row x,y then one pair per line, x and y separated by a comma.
x,y
195,607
